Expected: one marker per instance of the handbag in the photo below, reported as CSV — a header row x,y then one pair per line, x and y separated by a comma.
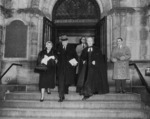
x,y
41,67
147,71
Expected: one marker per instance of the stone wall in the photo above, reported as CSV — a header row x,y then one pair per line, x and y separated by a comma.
x,y
34,22
125,18
129,19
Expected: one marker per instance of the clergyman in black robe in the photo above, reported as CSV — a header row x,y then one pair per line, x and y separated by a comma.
x,y
93,75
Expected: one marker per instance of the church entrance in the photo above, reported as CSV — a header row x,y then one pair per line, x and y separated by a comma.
x,y
76,19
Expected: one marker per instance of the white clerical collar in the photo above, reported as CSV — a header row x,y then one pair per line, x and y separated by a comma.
x,y
90,49
64,46
120,46
83,45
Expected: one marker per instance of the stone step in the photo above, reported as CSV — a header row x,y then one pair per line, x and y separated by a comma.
x,y
35,87
90,113
26,105
69,118
72,104
71,96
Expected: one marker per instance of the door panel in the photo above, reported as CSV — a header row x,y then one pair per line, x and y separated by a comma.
x,y
52,32
101,39
47,31
101,36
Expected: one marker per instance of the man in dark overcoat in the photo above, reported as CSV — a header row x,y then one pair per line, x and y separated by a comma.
x,y
93,76
65,70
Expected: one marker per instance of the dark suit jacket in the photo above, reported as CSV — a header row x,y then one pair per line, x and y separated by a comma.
x,y
65,71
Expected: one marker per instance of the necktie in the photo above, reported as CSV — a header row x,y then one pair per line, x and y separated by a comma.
x,y
120,46
64,47
83,46
90,49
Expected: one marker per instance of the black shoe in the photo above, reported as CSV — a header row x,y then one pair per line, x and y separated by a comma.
x,y
41,100
123,91
61,99
78,90
66,90
48,92
118,91
85,98
80,93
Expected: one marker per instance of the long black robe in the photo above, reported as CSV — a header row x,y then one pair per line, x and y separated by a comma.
x,y
93,78
47,78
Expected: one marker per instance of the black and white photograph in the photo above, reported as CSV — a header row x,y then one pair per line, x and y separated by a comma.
x,y
74,59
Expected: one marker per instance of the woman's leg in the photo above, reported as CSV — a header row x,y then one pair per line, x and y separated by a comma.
x,y
123,85
42,94
118,85
48,91
61,88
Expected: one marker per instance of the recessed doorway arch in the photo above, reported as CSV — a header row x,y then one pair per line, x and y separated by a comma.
x,y
77,18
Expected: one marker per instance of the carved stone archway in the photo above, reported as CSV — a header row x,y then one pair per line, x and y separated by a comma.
x,y
75,11
104,6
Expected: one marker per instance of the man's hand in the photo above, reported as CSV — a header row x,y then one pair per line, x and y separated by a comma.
x,y
114,59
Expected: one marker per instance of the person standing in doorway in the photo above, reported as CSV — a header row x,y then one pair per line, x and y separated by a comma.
x,y
66,67
120,56
81,46
79,49
47,77
93,77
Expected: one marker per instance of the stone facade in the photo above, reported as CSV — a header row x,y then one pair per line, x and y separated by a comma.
x,y
129,19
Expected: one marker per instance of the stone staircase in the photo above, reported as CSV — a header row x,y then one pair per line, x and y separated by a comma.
x,y
26,105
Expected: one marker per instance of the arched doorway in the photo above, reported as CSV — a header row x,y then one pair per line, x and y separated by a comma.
x,y
75,18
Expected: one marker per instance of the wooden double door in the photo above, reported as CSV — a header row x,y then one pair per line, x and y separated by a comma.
x,y
74,32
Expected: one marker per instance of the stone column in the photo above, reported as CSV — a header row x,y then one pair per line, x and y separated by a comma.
x,y
1,35
34,35
109,36
148,25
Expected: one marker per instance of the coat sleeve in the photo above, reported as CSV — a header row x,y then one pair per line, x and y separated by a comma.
x,y
99,59
84,55
58,51
127,53
77,50
39,58
113,55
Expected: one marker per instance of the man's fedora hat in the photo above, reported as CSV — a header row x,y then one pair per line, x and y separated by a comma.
x,y
64,38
